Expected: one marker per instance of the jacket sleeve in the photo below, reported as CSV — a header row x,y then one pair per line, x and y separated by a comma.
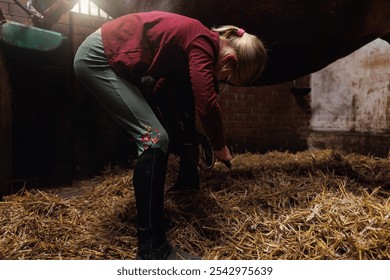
x,y
202,59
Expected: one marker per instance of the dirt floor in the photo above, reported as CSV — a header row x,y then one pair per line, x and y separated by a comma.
x,y
308,205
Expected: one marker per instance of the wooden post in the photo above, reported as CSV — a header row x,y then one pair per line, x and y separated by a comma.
x,y
5,130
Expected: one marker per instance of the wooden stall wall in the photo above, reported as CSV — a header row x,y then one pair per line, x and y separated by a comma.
x,y
5,130
40,87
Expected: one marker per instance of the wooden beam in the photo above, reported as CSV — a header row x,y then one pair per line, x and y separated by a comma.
x,y
5,129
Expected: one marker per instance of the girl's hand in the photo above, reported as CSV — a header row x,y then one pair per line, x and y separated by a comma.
x,y
224,154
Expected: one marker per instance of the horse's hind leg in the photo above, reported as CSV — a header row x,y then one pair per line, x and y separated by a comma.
x,y
188,177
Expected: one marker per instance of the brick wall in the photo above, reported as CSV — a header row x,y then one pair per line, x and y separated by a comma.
x,y
12,11
61,133
259,119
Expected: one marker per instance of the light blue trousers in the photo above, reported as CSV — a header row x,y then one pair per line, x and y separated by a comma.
x,y
123,101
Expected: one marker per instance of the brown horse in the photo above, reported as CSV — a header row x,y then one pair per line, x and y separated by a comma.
x,y
302,36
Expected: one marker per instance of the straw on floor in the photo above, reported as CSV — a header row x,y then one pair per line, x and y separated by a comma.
x,y
279,205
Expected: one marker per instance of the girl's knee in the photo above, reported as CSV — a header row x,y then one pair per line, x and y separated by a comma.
x,y
152,137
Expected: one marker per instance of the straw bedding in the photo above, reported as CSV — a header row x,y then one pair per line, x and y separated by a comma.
x,y
308,205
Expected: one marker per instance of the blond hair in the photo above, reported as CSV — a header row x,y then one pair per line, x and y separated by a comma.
x,y
250,51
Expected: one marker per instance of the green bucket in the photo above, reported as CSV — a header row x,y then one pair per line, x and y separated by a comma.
x,y
30,43
30,37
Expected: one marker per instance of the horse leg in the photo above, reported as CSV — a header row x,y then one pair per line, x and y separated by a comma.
x,y
176,108
187,136
188,176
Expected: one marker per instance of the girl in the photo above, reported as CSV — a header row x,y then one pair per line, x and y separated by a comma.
x,y
170,48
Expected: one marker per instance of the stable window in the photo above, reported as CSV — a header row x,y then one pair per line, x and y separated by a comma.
x,y
89,8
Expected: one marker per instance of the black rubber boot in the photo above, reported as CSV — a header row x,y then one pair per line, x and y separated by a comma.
x,y
148,180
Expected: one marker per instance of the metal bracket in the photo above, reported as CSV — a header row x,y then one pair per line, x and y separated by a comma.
x,y
34,17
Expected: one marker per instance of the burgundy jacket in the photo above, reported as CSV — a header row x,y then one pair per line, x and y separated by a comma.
x,y
172,47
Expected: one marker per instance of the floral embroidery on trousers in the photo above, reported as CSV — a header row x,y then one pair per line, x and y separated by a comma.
x,y
150,138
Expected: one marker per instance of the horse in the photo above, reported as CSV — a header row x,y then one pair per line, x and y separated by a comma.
x,y
301,36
